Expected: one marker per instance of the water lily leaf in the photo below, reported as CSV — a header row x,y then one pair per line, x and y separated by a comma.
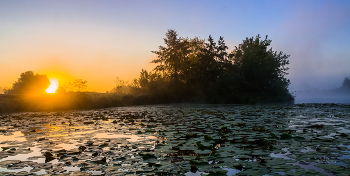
x,y
251,172
286,136
330,167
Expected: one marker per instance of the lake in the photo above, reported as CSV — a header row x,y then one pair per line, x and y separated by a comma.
x,y
179,139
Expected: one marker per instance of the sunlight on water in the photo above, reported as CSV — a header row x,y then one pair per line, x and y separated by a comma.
x,y
16,136
128,137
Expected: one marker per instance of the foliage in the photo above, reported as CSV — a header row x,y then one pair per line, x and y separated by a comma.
x,y
29,83
261,69
126,88
78,85
196,70
187,70
207,137
286,136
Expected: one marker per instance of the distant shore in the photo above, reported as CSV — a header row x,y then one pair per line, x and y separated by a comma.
x,y
91,100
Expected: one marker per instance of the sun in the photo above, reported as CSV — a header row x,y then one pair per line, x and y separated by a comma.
x,y
53,86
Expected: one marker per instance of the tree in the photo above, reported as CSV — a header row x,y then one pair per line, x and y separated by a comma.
x,y
195,67
262,70
29,83
80,85
346,82
169,57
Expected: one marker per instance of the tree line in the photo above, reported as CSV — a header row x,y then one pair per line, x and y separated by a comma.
x,y
198,70
195,70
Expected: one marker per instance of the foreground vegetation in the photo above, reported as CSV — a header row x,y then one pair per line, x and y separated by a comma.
x,y
293,139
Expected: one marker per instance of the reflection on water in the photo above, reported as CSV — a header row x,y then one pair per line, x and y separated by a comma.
x,y
128,137
27,169
15,136
31,143
32,152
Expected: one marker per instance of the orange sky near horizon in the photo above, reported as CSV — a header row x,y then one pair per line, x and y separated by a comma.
x,y
70,55
98,41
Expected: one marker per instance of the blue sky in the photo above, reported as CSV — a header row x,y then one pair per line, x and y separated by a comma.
x,y
101,40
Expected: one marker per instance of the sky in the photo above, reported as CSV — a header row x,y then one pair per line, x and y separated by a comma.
x,y
98,41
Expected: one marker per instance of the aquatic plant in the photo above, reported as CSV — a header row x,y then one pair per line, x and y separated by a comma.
x,y
286,136
48,157
4,148
316,126
258,129
202,147
224,129
193,168
191,135
240,124
207,137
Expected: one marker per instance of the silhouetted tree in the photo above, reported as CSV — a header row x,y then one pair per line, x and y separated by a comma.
x,y
346,83
169,57
80,85
262,70
195,69
144,79
176,59
29,83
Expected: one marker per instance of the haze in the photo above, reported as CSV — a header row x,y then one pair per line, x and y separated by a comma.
x,y
98,41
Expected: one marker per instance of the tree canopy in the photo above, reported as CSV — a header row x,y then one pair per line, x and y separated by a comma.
x,y
261,69
206,70
29,83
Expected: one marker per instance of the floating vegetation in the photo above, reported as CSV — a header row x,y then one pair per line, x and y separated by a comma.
x,y
224,129
316,126
240,124
258,129
192,135
207,137
4,148
286,136
202,147
309,139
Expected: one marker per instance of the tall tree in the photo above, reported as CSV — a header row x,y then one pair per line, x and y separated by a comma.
x,y
262,69
169,57
29,83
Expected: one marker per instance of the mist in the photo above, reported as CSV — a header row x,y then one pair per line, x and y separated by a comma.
x,y
1,90
315,95
321,96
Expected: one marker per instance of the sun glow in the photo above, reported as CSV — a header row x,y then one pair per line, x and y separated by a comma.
x,y
53,86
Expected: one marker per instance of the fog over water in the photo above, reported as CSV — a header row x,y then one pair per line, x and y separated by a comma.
x,y
321,96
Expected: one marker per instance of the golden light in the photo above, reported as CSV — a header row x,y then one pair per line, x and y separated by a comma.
x,y
53,86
